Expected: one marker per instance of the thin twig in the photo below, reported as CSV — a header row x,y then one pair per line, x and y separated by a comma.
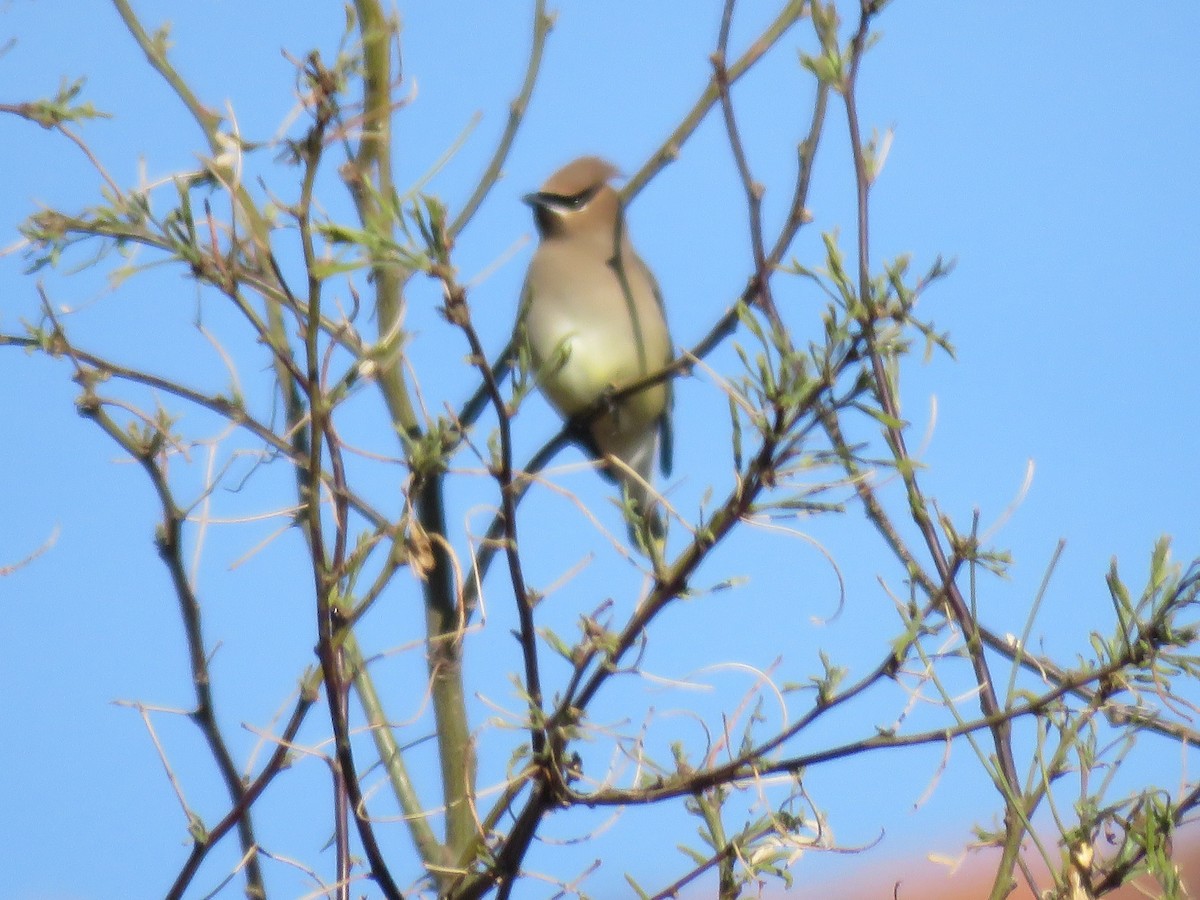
x,y
760,283
792,13
542,23
989,704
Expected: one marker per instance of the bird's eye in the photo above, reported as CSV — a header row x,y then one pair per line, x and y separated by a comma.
x,y
575,202
578,201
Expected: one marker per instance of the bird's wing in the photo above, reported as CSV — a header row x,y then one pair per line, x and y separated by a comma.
x,y
666,434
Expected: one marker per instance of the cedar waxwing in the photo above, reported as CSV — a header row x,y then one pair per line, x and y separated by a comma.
x,y
592,317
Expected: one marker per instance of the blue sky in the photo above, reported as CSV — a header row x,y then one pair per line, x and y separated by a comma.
x,y
1047,148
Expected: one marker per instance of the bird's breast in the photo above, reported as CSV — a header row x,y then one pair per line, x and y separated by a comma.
x,y
586,337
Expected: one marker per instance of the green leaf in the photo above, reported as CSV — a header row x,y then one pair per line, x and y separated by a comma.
x,y
557,644
327,268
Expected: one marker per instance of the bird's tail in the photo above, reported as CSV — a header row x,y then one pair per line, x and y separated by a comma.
x,y
634,472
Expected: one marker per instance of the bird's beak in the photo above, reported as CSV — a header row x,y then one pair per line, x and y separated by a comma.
x,y
534,199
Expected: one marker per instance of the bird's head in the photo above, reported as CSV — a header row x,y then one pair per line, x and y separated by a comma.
x,y
577,199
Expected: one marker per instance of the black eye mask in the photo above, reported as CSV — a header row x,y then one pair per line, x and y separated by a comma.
x,y
570,202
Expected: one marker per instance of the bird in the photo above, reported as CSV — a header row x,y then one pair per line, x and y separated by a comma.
x,y
592,320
